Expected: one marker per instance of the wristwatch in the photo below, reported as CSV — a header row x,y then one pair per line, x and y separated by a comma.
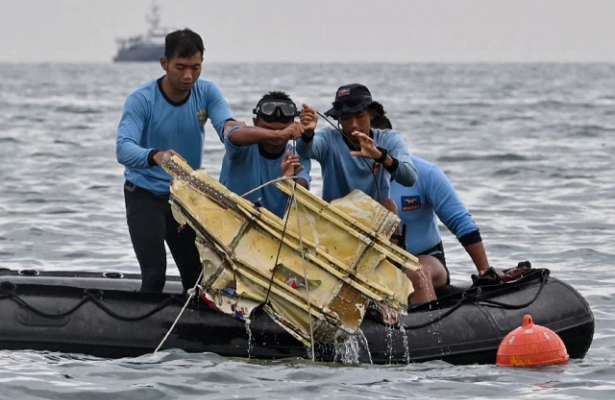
x,y
383,157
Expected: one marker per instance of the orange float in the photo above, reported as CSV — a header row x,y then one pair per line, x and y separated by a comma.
x,y
530,346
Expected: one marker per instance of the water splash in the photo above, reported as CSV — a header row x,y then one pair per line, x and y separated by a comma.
x,y
404,337
366,344
347,351
389,338
249,331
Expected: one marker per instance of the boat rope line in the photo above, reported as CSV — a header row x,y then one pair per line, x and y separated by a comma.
x,y
337,128
8,292
190,293
437,319
506,306
89,297
465,297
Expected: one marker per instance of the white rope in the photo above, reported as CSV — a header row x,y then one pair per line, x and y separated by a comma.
x,y
282,178
191,293
307,286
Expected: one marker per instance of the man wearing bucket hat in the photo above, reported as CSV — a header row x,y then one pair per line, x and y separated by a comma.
x,y
355,156
358,157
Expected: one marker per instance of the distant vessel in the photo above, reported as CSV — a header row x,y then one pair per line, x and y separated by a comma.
x,y
144,48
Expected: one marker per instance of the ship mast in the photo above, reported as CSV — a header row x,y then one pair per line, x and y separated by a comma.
x,y
153,18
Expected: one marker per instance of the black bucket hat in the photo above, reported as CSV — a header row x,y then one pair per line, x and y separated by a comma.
x,y
350,99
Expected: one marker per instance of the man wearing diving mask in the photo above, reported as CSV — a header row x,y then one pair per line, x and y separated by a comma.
x,y
256,155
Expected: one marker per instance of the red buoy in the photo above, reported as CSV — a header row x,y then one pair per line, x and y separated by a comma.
x,y
531,345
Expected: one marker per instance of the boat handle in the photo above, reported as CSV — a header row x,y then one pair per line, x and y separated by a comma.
x,y
113,275
29,272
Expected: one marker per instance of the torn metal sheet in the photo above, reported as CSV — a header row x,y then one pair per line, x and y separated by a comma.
x,y
321,271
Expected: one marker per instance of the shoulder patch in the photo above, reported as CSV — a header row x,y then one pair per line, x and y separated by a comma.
x,y
409,203
202,117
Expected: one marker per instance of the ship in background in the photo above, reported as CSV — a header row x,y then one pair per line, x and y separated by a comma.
x,y
144,48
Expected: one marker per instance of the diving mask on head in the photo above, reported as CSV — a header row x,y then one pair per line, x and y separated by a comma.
x,y
276,110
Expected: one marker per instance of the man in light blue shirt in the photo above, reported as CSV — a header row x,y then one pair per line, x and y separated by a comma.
x,y
355,156
419,208
166,116
359,157
259,154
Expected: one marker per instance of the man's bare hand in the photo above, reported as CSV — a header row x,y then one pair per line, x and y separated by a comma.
x,y
159,156
290,164
368,146
292,131
308,118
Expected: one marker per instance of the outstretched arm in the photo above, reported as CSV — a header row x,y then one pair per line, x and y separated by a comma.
x,y
311,145
219,112
454,215
249,135
479,256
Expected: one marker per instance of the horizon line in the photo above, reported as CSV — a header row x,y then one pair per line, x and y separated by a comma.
x,y
443,62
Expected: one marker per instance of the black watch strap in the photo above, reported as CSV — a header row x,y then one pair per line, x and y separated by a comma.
x,y
383,157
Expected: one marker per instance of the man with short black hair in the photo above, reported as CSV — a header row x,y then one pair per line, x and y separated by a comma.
x,y
166,116
262,153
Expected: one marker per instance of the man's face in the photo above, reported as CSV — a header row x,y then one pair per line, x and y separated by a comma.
x,y
272,146
182,73
359,121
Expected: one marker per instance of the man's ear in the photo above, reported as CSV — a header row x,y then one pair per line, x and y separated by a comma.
x,y
372,115
164,63
254,121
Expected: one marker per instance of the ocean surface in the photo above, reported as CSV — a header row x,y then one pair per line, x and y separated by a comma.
x,y
529,147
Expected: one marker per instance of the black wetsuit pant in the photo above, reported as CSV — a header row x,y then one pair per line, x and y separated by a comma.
x,y
151,223
438,252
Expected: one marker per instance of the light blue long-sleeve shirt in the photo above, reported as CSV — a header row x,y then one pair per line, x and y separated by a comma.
x,y
244,168
420,206
151,121
342,172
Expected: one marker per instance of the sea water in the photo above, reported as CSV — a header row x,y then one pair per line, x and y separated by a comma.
x,y
529,147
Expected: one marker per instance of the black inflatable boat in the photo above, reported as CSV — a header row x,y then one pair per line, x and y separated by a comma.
x,y
102,314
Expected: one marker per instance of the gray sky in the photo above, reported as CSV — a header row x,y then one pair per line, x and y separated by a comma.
x,y
320,30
